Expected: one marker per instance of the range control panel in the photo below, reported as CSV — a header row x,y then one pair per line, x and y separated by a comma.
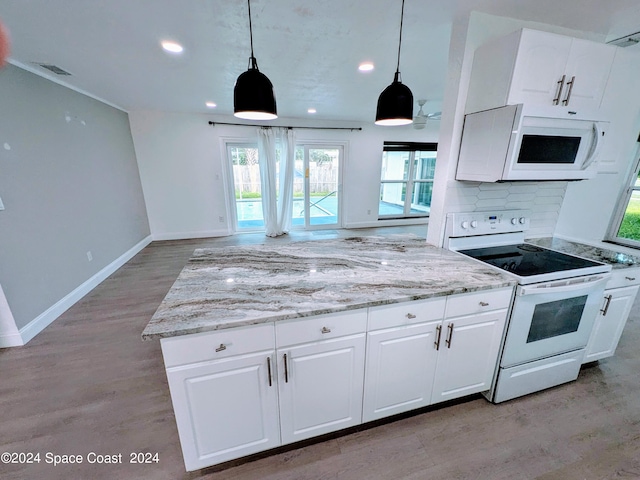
x,y
487,223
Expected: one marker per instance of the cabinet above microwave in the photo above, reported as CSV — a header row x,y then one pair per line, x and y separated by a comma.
x,y
539,68
518,142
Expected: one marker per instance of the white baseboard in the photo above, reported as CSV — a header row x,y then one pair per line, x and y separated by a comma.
x,y
9,334
12,340
43,320
388,223
189,235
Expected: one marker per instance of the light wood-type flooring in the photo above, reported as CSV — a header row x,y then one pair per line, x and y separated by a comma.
x,y
88,383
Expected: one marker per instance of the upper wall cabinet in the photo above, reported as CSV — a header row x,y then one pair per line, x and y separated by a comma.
x,y
539,68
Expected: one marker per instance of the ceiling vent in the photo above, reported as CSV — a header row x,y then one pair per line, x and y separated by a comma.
x,y
53,68
626,41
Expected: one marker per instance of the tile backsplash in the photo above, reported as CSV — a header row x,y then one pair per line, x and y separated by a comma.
x,y
543,199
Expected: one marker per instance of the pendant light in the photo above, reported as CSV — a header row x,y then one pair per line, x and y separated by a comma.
x,y
395,103
253,96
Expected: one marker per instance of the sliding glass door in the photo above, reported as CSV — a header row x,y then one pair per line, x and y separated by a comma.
x,y
316,188
247,193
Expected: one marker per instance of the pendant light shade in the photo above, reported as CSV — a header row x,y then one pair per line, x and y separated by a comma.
x,y
253,96
395,104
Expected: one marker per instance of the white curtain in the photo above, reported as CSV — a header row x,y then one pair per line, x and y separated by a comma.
x,y
276,183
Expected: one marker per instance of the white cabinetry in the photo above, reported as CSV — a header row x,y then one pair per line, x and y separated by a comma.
x,y
468,350
617,302
321,374
244,390
401,357
223,393
539,68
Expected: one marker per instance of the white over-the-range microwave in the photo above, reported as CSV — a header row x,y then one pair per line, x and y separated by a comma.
x,y
522,142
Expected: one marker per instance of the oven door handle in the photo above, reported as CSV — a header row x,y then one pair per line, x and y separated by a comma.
x,y
574,287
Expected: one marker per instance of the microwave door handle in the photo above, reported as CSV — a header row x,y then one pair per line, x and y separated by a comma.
x,y
595,145
593,285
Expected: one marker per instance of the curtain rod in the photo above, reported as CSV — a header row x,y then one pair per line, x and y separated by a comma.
x,y
213,124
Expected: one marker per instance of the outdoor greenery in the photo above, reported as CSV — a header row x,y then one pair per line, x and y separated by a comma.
x,y
258,195
630,226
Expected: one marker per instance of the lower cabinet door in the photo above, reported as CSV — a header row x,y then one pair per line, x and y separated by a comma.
x,y
320,387
225,409
401,364
468,355
610,323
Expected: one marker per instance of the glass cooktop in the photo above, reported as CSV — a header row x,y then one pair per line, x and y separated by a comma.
x,y
528,260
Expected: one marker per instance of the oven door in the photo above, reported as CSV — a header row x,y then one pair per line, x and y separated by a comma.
x,y
552,318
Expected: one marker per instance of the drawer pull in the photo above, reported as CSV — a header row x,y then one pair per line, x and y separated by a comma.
x,y
606,305
438,335
325,330
410,315
221,347
484,304
269,370
450,336
631,279
286,369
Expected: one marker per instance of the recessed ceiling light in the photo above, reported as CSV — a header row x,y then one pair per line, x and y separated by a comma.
x,y
172,47
365,67
211,105
311,110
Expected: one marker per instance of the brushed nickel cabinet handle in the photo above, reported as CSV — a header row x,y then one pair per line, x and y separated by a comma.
x,y
631,279
570,85
325,330
221,347
438,335
556,100
450,336
606,305
410,315
286,369
484,304
269,370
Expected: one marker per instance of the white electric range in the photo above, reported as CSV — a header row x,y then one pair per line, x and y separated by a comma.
x,y
555,304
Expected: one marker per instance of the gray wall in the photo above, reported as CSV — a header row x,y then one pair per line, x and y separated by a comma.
x,y
70,184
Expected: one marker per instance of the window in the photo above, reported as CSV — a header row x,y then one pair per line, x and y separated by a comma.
x,y
407,179
625,228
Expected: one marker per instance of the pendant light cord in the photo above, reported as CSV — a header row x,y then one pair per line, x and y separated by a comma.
x,y
253,63
399,43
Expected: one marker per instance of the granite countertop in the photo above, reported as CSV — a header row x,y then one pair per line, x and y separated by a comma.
x,y
611,257
235,286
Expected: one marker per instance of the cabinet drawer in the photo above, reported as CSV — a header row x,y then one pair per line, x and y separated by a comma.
x,y
321,327
624,277
406,313
484,301
201,347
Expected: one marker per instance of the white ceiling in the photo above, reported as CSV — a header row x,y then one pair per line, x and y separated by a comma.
x,y
310,49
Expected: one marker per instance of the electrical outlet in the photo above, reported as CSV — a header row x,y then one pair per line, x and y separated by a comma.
x,y
89,255
221,218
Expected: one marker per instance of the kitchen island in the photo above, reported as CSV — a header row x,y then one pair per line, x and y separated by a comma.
x,y
267,345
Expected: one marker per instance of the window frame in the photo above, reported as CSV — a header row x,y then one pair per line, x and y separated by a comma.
x,y
410,182
621,207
